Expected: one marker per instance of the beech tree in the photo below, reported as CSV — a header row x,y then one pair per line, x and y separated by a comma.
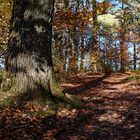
x,y
29,56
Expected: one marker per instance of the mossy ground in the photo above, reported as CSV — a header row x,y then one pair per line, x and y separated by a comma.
x,y
38,105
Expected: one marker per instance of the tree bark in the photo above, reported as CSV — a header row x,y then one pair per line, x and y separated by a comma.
x,y
95,55
29,57
135,57
122,43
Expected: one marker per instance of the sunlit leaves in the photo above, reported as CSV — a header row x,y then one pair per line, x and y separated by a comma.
x,y
108,20
5,16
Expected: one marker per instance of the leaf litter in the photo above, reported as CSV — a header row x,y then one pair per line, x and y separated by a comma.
x,y
111,111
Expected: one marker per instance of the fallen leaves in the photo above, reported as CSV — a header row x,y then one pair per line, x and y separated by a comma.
x,y
67,113
112,117
111,111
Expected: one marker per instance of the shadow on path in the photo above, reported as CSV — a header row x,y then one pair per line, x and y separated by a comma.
x,y
86,86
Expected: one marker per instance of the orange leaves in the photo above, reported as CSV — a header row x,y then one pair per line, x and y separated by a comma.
x,y
5,16
68,19
103,6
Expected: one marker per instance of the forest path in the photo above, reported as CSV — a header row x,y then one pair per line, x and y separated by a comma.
x,y
111,111
114,106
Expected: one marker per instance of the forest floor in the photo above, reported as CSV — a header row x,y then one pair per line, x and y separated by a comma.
x,y
111,111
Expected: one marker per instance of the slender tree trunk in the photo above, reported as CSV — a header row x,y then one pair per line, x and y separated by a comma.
x,y
122,42
94,33
29,56
135,65
122,56
82,51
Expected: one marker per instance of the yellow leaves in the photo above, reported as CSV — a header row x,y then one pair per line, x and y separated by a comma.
x,y
5,16
82,17
108,20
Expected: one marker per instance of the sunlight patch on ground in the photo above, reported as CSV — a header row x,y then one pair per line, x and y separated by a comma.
x,y
112,116
67,113
70,85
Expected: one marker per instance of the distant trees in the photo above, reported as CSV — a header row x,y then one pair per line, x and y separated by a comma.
x,y
99,31
90,35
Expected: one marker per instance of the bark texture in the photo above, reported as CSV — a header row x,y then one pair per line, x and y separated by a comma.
x,y
29,56
135,57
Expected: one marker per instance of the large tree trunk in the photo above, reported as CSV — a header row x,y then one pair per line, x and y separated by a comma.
x,y
29,56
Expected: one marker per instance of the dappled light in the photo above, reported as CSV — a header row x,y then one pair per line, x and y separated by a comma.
x,y
107,113
69,70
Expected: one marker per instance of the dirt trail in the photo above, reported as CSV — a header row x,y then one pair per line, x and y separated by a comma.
x,y
116,106
111,112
